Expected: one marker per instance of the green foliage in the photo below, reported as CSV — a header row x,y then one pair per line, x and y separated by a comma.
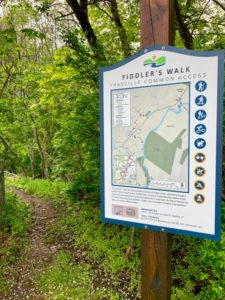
x,y
49,117
110,254
31,33
14,216
205,21
198,266
47,189
101,244
14,224
68,281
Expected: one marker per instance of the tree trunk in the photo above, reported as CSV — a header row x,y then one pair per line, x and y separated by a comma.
x,y
2,182
7,147
30,153
44,165
81,12
185,34
121,30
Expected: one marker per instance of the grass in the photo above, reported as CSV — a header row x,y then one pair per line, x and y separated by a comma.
x,y
66,280
102,245
54,190
198,266
14,224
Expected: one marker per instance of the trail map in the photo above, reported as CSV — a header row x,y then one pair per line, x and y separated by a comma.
x,y
150,137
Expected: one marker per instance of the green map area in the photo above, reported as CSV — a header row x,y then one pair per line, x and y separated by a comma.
x,y
160,152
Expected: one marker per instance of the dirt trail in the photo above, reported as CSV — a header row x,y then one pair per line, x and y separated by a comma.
x,y
38,255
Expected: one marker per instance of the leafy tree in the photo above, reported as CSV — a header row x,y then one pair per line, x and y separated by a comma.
x,y
50,54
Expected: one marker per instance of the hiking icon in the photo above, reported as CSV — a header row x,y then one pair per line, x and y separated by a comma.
x,y
200,100
200,114
201,86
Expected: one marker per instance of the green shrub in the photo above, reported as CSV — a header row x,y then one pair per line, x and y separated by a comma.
x,y
14,216
14,224
198,266
41,188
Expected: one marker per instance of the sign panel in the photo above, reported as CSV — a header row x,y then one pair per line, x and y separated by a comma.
x,y
161,141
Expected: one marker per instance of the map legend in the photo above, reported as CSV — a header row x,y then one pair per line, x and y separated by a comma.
x,y
121,102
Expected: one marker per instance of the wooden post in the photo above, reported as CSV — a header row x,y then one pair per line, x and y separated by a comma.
x,y
157,22
157,28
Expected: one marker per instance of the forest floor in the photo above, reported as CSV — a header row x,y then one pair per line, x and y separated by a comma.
x,y
38,254
61,250
52,264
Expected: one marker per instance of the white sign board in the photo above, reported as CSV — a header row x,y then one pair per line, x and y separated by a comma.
x,y
161,141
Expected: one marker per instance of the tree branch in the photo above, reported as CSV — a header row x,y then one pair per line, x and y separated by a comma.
x,y
183,29
64,16
131,245
121,30
81,12
196,23
6,81
6,145
103,10
219,4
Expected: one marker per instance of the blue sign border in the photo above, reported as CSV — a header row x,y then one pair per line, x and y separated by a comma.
x,y
219,139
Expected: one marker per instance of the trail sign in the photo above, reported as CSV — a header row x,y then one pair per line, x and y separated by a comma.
x,y
161,141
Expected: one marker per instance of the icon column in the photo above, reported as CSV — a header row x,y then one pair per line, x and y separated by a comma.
x,y
200,142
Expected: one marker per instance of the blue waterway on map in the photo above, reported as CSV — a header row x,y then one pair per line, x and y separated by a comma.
x,y
176,112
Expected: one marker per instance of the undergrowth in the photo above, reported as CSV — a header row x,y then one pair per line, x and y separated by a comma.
x,y
14,224
101,245
47,189
198,266
66,280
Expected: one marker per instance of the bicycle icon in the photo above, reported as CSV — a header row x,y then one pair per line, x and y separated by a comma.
x,y
200,129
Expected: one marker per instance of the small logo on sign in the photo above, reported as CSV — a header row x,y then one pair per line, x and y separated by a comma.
x,y
200,143
200,129
200,114
200,100
155,62
199,198
199,185
200,157
201,86
125,211
200,171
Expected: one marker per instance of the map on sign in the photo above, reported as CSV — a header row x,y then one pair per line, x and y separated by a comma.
x,y
150,137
